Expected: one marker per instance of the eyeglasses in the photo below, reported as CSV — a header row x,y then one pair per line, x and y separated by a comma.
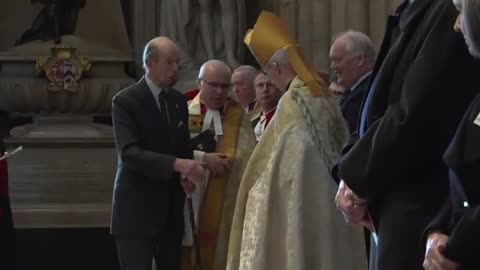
x,y
223,86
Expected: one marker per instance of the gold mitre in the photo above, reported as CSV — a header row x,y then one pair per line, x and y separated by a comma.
x,y
268,36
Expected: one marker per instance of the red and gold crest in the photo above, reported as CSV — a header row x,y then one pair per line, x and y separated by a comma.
x,y
63,68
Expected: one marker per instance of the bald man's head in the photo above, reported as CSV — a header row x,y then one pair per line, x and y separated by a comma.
x,y
243,79
214,83
160,60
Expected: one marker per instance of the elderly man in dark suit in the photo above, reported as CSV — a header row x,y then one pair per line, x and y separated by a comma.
x,y
394,178
352,57
150,120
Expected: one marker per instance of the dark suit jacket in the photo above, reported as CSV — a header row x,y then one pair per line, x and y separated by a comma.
x,y
148,197
457,219
424,81
351,104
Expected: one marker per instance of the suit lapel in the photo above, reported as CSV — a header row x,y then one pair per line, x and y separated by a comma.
x,y
365,82
392,23
385,48
472,135
385,75
357,91
151,107
463,149
177,111
148,99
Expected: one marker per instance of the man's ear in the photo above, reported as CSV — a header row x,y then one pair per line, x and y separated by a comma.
x,y
361,60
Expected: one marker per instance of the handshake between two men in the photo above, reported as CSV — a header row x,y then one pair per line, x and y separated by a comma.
x,y
193,173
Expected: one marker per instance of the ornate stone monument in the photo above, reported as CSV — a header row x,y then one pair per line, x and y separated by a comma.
x,y
64,77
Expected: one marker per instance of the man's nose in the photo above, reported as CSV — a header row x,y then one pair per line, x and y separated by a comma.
x,y
333,66
458,24
219,90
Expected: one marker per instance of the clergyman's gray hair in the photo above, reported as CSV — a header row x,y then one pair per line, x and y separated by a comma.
x,y
471,25
359,44
214,63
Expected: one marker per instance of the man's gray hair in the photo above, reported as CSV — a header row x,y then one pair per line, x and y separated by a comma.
x,y
359,44
471,24
216,63
250,70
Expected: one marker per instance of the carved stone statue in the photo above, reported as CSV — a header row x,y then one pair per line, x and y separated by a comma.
x,y
57,18
205,29
232,14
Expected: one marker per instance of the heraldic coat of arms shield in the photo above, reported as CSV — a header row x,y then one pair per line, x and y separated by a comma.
x,y
63,68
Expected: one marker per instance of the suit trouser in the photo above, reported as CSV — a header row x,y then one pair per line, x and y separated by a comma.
x,y
372,261
367,235
400,235
136,253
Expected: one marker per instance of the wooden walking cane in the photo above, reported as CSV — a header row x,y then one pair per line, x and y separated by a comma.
x,y
196,244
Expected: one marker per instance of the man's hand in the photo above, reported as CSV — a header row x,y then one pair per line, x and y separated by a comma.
x,y
217,163
192,170
188,187
434,254
367,222
354,209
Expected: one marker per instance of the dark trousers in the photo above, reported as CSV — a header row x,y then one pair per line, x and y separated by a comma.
x,y
367,235
400,236
137,253
372,261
